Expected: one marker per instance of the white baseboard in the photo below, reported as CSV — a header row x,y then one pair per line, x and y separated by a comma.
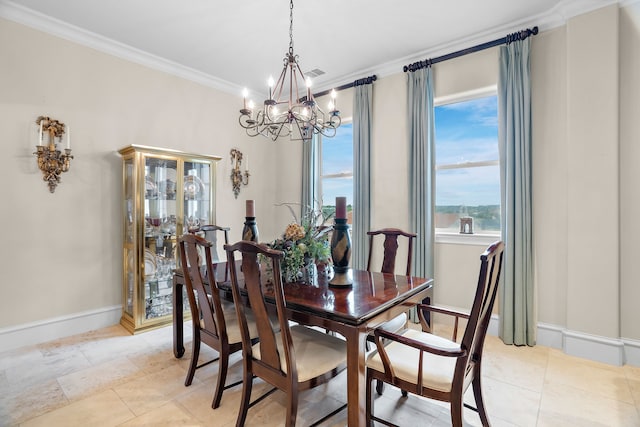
x,y
602,349
618,352
58,327
631,352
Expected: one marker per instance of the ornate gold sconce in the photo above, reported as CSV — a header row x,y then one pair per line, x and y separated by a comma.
x,y
51,161
238,178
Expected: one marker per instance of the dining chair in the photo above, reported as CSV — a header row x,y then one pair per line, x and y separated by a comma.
x,y
210,233
389,252
291,358
436,367
214,322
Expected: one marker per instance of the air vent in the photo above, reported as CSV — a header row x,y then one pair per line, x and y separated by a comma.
x,y
314,73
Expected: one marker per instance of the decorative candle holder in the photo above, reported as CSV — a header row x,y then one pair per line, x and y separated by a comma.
x,y
250,230
341,254
238,178
51,160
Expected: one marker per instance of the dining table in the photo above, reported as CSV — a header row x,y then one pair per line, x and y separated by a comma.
x,y
352,311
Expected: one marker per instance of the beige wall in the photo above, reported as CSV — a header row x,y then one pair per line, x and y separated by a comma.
x,y
592,136
62,251
629,171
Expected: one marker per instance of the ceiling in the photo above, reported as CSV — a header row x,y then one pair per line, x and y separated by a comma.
x,y
231,44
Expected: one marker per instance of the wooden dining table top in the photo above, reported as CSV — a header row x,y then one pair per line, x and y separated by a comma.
x,y
370,294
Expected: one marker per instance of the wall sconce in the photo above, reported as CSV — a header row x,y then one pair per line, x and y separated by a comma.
x,y
238,178
51,161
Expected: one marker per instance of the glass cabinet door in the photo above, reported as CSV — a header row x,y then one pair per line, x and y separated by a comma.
x,y
197,195
160,214
129,237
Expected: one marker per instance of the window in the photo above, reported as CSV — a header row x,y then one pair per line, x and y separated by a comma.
x,y
336,166
467,165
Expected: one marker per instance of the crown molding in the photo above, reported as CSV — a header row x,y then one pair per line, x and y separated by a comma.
x,y
36,20
555,17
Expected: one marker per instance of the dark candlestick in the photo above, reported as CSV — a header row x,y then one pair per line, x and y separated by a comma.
x,y
341,253
250,230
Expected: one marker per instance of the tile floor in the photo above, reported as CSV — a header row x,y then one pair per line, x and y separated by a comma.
x,y
111,378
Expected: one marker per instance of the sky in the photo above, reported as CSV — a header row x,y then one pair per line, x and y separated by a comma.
x,y
465,132
338,157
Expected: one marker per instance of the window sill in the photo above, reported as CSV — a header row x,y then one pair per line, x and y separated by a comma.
x,y
466,239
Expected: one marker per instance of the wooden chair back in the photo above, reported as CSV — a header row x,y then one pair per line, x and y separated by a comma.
x,y
480,315
269,367
210,233
391,249
205,306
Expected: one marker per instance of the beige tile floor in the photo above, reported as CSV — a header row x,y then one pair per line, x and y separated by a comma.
x,y
111,378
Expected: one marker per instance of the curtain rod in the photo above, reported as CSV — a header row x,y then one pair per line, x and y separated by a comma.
x,y
359,82
519,35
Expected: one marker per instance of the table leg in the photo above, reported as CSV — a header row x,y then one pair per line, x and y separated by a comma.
x,y
356,376
178,319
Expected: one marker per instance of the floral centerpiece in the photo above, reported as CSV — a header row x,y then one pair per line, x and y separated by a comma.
x,y
305,242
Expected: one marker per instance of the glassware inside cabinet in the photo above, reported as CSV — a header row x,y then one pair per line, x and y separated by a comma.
x,y
197,195
160,235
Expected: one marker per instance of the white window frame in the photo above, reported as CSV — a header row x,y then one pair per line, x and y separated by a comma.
x,y
447,236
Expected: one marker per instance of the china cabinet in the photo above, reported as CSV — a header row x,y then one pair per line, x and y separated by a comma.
x,y
166,193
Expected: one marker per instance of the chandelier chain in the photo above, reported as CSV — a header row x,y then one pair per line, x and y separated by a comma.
x,y
291,27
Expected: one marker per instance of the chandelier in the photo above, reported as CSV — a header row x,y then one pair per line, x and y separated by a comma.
x,y
297,117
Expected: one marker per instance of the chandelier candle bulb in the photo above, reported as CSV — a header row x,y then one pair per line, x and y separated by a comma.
x,y
341,207
245,93
68,138
40,136
270,83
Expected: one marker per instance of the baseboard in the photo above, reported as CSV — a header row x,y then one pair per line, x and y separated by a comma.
x,y
550,335
631,352
58,327
600,349
618,352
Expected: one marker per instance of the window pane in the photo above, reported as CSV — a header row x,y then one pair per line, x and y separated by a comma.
x,y
337,152
467,132
468,192
337,158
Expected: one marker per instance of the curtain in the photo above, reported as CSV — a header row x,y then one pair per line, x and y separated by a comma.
x,y
517,317
362,109
310,173
421,170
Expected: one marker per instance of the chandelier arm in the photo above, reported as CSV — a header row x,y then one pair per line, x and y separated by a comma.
x,y
310,95
277,89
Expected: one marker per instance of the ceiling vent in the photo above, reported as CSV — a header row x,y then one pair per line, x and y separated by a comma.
x,y
314,73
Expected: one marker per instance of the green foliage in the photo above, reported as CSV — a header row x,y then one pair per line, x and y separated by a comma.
x,y
304,241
